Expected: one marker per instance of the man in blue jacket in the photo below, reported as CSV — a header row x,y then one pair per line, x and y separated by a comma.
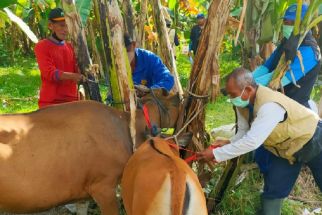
x,y
298,85
148,71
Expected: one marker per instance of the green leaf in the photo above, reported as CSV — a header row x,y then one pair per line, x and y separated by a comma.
x,y
3,19
6,3
172,4
236,11
84,8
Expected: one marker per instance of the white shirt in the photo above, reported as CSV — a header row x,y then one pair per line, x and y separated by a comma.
x,y
248,139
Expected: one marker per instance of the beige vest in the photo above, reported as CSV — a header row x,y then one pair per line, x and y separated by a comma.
x,y
289,136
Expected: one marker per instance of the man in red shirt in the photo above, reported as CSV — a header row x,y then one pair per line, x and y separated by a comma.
x,y
57,64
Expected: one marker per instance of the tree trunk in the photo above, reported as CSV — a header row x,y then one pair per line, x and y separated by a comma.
x,y
204,77
164,42
78,38
95,52
122,72
141,23
128,18
100,10
121,63
225,183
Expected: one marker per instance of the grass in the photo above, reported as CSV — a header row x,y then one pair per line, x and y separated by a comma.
x,y
19,85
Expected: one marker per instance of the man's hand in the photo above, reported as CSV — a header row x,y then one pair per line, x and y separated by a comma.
x,y
290,47
220,143
141,90
207,155
77,77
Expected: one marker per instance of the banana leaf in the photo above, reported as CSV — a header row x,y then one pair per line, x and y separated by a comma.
x,y
84,8
3,19
23,26
172,4
6,3
236,12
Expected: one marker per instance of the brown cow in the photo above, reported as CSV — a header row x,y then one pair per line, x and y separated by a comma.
x,y
67,152
157,182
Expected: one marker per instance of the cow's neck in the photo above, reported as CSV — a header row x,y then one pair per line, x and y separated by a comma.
x,y
141,126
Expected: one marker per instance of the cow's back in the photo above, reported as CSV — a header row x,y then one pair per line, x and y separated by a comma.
x,y
57,153
156,181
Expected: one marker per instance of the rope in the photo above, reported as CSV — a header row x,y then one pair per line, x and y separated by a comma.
x,y
175,136
193,157
198,96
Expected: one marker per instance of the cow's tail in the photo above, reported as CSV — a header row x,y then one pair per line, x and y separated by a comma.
x,y
180,193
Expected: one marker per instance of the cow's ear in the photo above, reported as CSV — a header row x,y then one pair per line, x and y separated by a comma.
x,y
184,139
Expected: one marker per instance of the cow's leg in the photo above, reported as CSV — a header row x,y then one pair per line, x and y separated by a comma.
x,y
105,197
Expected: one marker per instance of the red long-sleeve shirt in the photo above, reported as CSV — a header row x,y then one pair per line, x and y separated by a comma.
x,y
53,59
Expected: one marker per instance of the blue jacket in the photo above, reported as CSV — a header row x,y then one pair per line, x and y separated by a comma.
x,y
309,62
150,71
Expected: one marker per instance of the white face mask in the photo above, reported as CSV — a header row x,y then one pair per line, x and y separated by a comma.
x,y
131,56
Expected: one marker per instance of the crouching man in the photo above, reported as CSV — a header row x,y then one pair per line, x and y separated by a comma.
x,y
291,132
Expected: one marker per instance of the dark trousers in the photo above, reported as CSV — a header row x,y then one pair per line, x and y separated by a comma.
x,y
281,176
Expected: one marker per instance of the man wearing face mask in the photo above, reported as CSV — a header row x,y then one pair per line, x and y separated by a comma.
x,y
305,79
148,71
57,64
291,132
310,53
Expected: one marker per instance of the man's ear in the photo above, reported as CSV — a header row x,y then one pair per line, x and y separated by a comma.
x,y
247,92
50,25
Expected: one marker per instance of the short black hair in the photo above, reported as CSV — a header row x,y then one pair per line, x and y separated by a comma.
x,y
128,40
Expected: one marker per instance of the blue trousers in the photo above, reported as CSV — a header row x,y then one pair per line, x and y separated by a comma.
x,y
280,176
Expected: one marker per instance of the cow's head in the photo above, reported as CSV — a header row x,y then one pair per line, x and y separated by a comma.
x,y
163,108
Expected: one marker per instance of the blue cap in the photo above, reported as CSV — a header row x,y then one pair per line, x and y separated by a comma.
x,y
200,16
290,13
